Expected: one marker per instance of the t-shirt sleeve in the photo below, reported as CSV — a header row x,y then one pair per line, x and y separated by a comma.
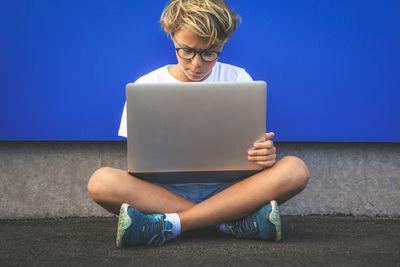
x,y
243,76
123,131
122,127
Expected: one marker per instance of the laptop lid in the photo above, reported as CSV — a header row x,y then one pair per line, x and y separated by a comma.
x,y
194,132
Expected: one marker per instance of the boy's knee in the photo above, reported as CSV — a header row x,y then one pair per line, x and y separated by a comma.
x,y
98,182
300,171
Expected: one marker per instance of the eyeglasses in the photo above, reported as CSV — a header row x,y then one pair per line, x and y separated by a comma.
x,y
189,53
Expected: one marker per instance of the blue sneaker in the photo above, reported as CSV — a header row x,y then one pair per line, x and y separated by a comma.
x,y
263,224
136,228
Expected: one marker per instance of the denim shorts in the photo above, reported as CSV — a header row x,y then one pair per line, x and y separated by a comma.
x,y
196,192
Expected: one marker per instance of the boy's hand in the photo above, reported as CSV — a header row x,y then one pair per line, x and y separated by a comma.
x,y
263,153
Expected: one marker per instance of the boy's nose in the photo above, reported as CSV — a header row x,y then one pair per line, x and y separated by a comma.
x,y
197,61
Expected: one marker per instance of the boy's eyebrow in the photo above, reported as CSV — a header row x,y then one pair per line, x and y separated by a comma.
x,y
187,46
210,48
183,45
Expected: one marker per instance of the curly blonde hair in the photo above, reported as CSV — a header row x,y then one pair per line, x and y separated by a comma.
x,y
209,19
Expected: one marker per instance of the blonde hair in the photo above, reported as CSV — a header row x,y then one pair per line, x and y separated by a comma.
x,y
209,19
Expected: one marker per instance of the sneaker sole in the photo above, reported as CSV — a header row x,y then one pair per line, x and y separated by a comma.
x,y
275,219
124,221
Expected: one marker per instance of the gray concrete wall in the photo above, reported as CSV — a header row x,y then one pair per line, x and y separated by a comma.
x,y
48,179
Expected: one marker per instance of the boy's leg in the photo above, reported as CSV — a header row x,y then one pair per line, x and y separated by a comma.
x,y
282,181
111,187
285,179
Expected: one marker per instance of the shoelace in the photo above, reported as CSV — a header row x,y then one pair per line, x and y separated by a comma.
x,y
154,227
245,226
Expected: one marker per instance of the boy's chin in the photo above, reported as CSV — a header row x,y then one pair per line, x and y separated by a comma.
x,y
196,78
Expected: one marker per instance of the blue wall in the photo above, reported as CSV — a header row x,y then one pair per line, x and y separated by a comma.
x,y
332,67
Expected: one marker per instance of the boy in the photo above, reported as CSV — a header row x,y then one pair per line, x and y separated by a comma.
x,y
155,213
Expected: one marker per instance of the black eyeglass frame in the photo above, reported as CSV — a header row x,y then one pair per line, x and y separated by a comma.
x,y
197,51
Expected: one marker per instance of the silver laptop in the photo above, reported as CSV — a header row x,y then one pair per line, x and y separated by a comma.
x,y
194,132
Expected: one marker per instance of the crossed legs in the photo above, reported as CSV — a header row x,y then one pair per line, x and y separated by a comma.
x,y
111,187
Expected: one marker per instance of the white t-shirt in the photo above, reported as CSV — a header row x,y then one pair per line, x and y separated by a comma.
x,y
221,72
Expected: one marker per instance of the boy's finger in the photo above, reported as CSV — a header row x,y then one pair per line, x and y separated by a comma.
x,y
258,152
269,163
265,144
269,135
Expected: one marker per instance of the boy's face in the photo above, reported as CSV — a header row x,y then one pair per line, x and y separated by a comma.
x,y
195,69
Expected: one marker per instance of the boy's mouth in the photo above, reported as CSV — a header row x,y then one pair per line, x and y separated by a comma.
x,y
197,73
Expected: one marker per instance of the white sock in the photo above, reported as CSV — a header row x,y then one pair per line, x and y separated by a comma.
x,y
223,228
176,224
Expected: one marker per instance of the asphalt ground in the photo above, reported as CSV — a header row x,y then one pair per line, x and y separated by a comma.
x,y
307,241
